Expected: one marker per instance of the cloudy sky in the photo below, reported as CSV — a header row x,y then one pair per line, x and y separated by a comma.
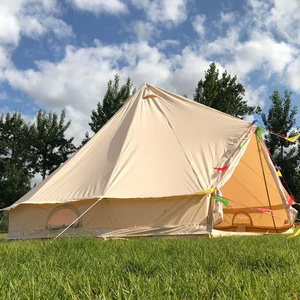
x,y
60,54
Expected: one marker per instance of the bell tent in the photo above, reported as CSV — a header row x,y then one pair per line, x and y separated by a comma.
x,y
159,168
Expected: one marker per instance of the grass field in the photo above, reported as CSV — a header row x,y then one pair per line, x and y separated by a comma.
x,y
260,267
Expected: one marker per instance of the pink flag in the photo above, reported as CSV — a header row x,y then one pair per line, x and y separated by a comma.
x,y
223,169
292,199
264,209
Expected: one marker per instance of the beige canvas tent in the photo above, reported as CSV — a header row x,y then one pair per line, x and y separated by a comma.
x,y
139,176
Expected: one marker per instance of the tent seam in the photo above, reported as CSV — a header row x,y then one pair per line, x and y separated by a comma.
x,y
178,141
109,182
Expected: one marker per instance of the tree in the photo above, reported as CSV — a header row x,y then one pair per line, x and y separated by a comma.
x,y
281,119
51,147
16,158
111,103
223,94
85,140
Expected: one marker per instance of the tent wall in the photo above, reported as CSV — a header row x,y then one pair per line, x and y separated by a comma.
x,y
247,190
186,215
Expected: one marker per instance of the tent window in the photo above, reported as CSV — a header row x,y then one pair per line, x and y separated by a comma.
x,y
241,220
63,216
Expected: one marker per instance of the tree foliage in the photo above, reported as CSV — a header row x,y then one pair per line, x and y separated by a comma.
x,y
51,147
16,157
223,94
281,119
113,100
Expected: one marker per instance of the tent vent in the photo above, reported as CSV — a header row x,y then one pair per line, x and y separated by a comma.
x,y
150,96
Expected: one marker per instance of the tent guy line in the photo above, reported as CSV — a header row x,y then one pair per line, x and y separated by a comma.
x,y
76,219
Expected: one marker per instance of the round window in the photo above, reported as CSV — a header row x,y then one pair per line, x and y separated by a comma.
x,y
63,216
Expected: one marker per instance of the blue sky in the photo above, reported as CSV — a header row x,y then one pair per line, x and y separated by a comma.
x,y
58,55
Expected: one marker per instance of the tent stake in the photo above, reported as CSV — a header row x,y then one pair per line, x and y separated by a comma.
x,y
76,219
266,186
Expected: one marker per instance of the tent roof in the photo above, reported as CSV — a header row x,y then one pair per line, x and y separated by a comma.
x,y
157,145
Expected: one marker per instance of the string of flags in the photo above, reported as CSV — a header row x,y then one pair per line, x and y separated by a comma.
x,y
226,201
261,130
262,210
296,232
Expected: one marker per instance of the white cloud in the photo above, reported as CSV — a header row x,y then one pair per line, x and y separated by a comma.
x,y
100,6
223,45
9,25
256,96
293,75
227,18
279,16
263,52
4,58
31,18
198,24
168,12
144,30
167,43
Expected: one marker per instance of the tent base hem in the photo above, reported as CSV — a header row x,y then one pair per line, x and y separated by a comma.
x,y
172,231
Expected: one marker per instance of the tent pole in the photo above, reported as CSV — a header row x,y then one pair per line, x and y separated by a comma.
x,y
210,215
266,186
76,219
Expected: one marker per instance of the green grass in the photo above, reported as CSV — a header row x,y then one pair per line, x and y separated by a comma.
x,y
260,267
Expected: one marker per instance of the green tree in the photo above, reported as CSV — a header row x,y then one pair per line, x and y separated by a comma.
x,y
16,158
51,147
85,140
281,119
223,94
113,100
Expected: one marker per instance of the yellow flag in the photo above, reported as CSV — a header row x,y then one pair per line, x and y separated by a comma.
x,y
293,139
296,232
279,173
209,191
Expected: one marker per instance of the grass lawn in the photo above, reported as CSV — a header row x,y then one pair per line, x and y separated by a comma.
x,y
257,267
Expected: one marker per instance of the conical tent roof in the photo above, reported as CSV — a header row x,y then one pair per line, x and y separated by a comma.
x,y
157,145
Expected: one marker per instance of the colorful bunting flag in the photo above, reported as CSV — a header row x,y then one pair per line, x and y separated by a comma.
x,y
279,173
221,199
259,132
242,144
208,191
296,232
292,199
293,139
223,169
264,210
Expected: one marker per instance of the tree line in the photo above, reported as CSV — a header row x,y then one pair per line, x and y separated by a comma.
x,y
41,147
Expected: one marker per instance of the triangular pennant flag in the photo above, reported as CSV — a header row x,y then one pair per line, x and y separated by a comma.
x,y
292,199
208,191
293,139
259,132
264,210
296,232
223,169
279,173
222,200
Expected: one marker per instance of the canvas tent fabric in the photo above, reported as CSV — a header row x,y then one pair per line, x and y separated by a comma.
x,y
145,165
